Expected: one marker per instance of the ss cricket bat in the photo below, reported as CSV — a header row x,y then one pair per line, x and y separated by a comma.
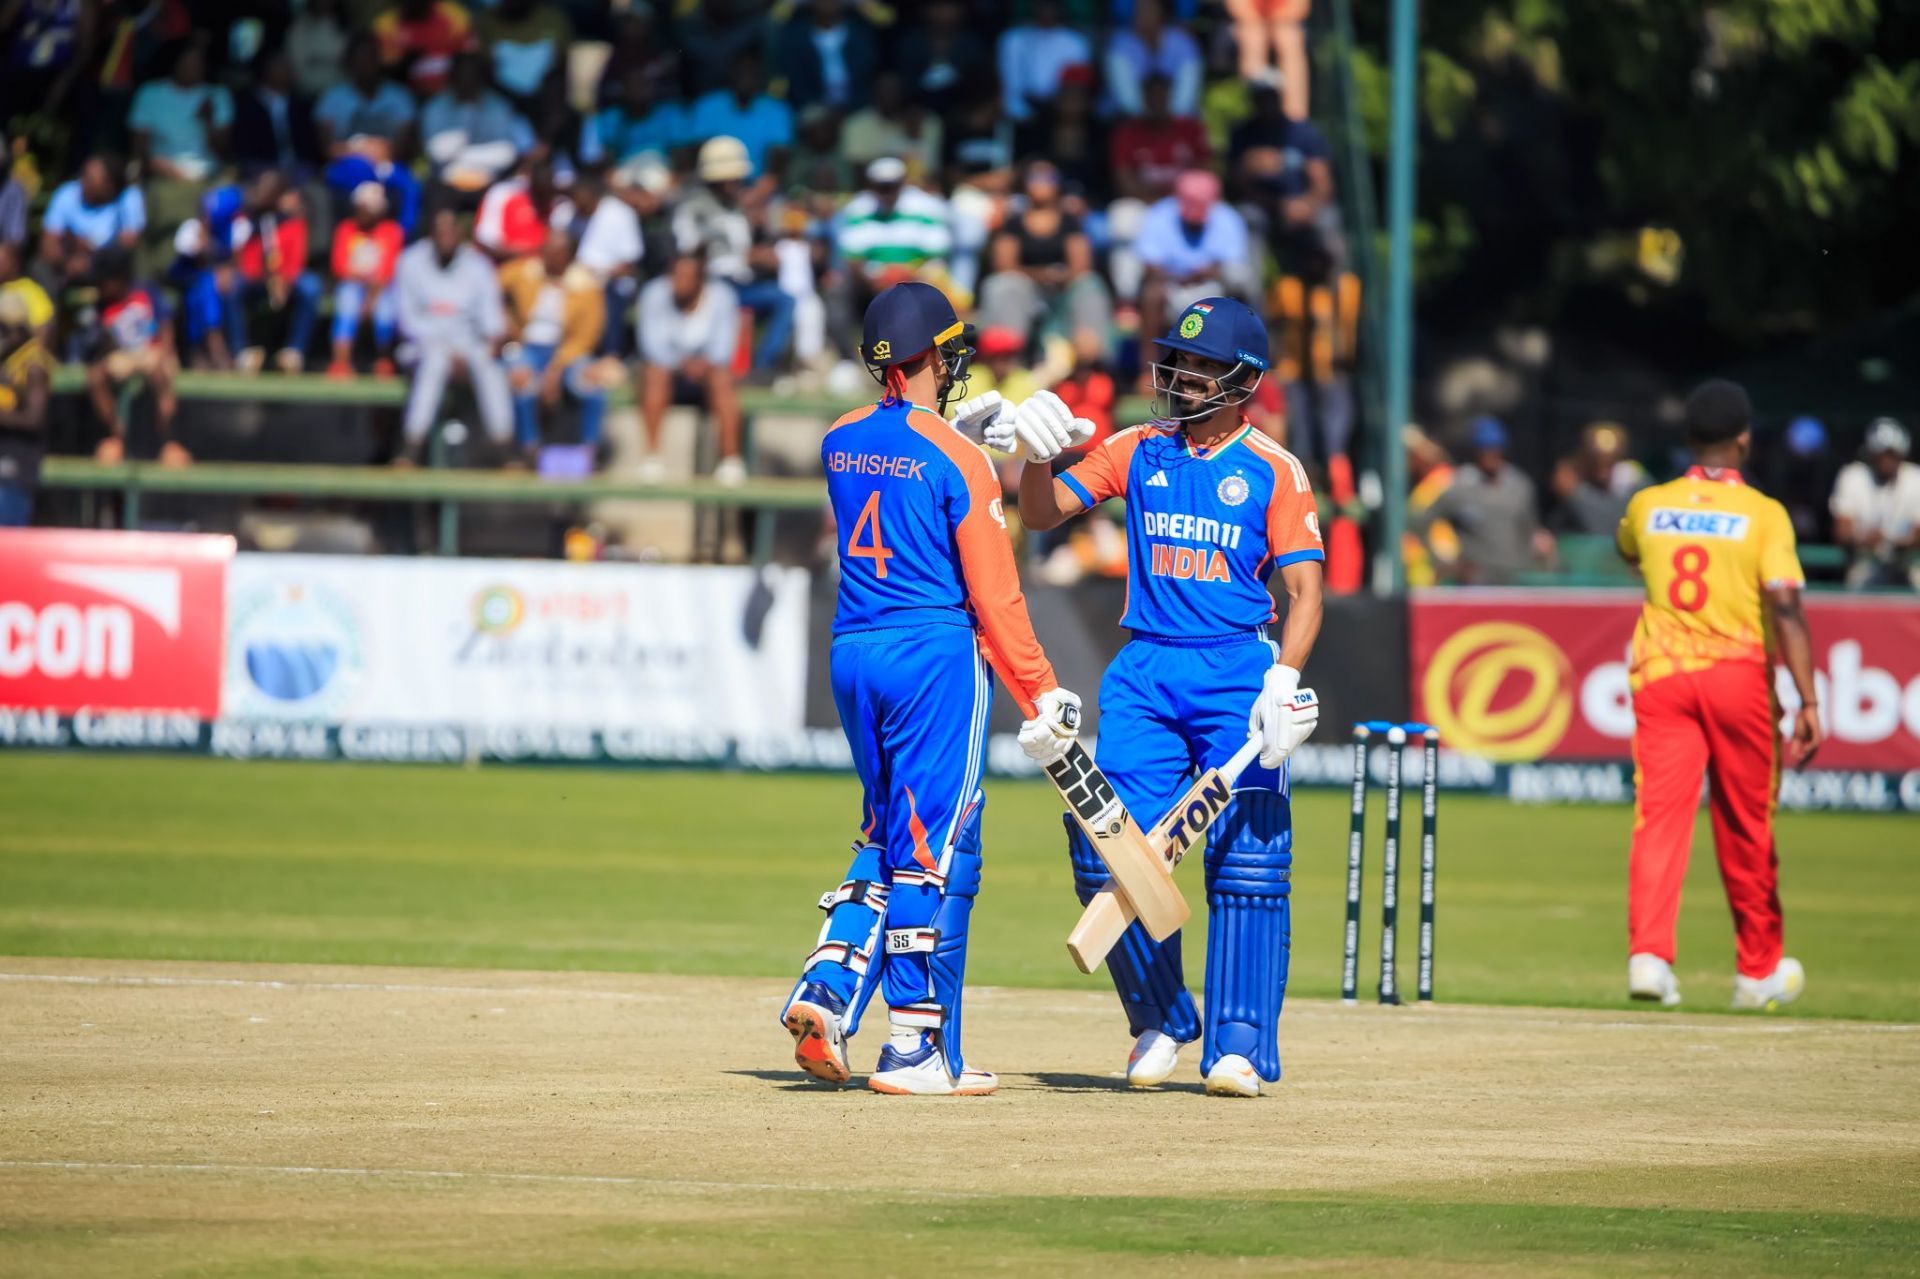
x,y
1136,865
1109,913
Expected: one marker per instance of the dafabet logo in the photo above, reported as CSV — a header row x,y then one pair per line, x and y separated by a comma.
x,y
1501,690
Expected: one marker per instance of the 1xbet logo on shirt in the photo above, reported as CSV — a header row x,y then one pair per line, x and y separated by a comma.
x,y
1667,519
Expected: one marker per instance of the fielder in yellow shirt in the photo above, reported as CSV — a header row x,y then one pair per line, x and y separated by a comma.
x,y
1723,605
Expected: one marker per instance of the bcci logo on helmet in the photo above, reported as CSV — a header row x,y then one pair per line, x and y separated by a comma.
x,y
1191,324
1501,690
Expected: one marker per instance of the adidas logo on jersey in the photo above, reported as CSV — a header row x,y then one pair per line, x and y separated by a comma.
x,y
1159,480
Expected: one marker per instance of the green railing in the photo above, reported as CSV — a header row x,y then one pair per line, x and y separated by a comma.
x,y
133,481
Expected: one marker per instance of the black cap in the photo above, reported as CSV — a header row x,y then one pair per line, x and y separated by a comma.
x,y
907,320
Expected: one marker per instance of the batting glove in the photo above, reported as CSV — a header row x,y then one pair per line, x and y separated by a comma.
x,y
1046,427
1053,728
981,417
1284,715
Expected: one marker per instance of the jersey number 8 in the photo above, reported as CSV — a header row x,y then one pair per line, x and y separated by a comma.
x,y
1688,589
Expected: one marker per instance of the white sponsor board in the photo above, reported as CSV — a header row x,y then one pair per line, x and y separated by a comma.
x,y
509,646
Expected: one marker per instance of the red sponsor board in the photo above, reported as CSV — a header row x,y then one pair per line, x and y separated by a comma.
x,y
1542,674
112,621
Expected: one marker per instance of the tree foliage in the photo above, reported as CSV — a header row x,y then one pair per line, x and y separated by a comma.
x,y
1747,166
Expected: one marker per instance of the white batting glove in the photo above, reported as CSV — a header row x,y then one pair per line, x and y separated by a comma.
x,y
1046,427
1053,728
1284,715
981,415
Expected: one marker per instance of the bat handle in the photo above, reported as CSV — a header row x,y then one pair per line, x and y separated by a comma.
x,y
1242,760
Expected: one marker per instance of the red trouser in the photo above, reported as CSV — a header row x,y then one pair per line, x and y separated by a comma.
x,y
1724,716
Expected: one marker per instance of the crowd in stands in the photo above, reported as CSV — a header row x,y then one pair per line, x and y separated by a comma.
x,y
549,199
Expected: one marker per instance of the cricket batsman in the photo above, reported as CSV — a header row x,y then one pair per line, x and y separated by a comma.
x,y
1214,509
929,596
1723,604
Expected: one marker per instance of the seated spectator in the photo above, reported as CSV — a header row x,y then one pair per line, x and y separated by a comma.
x,y
1491,506
367,133
557,128
818,162
1282,172
888,233
711,42
745,111
944,58
316,46
1069,133
273,125
1149,47
1000,365
14,284
1032,56
1042,268
556,316
609,245
827,56
254,240
1592,487
94,211
419,38
25,384
134,342
448,301
689,324
715,222
470,133
526,42
639,45
1800,477
634,121
366,249
365,115
1147,155
894,125
1089,390
1876,510
1192,245
1279,28
1433,554
515,215
179,128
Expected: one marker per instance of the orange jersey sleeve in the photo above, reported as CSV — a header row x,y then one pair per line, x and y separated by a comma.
x,y
1293,517
1708,548
987,565
1103,472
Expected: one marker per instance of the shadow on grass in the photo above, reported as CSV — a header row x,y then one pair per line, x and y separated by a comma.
x,y
1063,1081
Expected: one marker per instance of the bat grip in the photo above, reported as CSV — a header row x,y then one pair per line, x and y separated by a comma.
x,y
1242,760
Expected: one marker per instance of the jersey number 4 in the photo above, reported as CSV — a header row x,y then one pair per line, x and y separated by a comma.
x,y
1688,589
868,526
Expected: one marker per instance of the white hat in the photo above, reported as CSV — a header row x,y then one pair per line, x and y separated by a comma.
x,y
887,170
647,170
13,309
1888,436
370,196
724,159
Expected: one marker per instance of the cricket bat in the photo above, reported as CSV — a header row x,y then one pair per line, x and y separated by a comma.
x,y
1137,868
1109,913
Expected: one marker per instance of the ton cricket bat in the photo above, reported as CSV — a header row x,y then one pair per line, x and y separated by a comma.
x,y
1109,913
1136,864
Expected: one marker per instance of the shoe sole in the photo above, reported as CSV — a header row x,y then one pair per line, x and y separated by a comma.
x,y
965,1090
1229,1090
812,1051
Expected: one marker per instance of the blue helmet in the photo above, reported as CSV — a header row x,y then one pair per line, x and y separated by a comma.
x,y
1226,331
908,320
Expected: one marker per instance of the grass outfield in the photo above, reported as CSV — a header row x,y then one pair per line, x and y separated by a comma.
x,y
707,873
184,1092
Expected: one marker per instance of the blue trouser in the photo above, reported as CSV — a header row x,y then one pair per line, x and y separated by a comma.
x,y
914,705
16,505
350,298
774,306
303,306
1167,710
592,398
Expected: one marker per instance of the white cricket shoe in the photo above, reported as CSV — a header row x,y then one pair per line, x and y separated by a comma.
x,y
1765,994
1152,1060
1651,977
923,1073
1233,1076
730,472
